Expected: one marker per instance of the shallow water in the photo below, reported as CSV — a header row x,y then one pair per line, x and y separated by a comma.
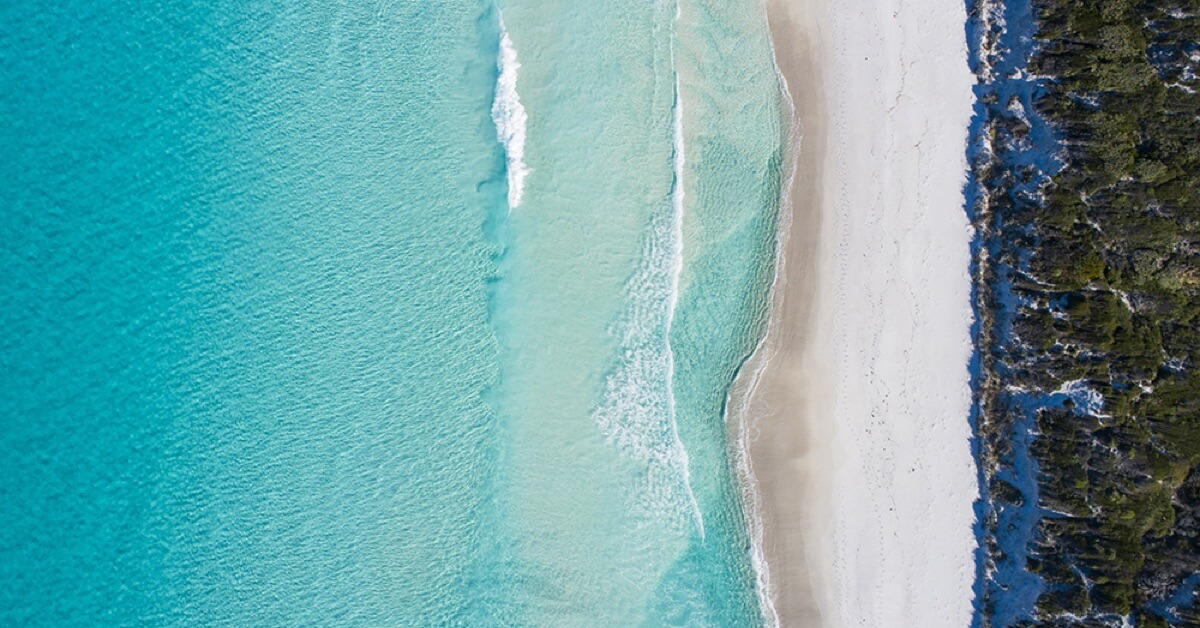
x,y
286,341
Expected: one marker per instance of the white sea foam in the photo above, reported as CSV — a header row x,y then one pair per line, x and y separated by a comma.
x,y
509,115
637,411
676,268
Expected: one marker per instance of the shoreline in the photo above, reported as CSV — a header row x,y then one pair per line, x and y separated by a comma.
x,y
784,458
853,437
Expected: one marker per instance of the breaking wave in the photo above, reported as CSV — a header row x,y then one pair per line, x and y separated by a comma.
x,y
637,410
509,115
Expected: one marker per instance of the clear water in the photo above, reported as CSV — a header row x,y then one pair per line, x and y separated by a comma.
x,y
282,346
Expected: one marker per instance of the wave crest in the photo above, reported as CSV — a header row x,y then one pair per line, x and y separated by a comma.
x,y
637,410
509,115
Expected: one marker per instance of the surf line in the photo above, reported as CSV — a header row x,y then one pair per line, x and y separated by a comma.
x,y
678,157
676,245
637,411
509,116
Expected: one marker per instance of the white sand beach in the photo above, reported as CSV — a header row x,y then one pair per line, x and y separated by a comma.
x,y
854,411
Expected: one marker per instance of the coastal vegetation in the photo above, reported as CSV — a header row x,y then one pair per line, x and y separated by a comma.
x,y
1099,258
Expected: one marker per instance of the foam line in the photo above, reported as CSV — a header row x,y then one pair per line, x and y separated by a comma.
x,y
509,115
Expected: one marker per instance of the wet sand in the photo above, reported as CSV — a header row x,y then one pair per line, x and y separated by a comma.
x,y
783,393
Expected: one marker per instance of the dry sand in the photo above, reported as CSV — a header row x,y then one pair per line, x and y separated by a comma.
x,y
852,415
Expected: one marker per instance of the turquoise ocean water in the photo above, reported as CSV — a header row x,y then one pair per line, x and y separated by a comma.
x,y
383,313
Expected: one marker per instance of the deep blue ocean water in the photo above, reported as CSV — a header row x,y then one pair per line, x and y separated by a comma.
x,y
277,349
